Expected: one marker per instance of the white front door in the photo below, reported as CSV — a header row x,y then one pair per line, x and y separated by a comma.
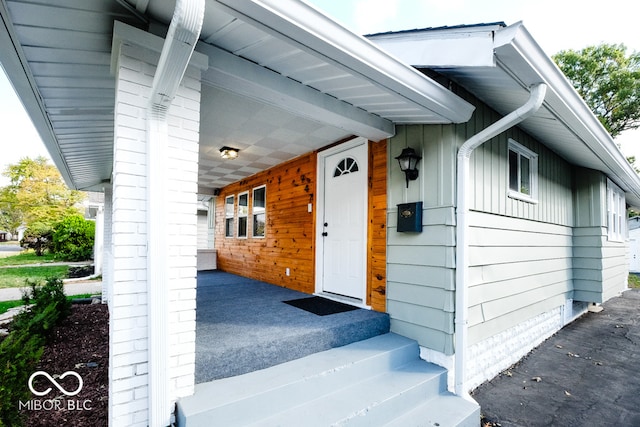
x,y
342,221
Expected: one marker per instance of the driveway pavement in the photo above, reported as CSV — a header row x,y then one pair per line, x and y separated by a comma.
x,y
586,374
8,250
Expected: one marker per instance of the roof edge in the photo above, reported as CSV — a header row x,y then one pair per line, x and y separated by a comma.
x,y
19,75
487,25
307,26
593,134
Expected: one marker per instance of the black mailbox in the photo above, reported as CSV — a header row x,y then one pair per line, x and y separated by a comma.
x,y
410,217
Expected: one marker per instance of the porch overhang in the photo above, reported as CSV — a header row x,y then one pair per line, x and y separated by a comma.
x,y
506,63
280,53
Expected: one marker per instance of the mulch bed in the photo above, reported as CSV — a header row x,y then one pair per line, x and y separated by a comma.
x,y
80,344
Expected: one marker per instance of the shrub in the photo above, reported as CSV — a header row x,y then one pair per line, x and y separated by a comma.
x,y
49,297
20,352
73,238
39,237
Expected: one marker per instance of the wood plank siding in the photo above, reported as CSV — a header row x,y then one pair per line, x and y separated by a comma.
x,y
377,227
289,240
290,228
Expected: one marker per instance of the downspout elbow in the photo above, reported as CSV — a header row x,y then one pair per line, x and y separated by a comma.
x,y
529,108
533,104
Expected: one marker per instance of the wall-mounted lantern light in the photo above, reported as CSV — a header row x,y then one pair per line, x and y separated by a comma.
x,y
408,161
229,153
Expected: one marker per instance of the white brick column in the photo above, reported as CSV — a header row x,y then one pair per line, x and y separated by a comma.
x,y
135,56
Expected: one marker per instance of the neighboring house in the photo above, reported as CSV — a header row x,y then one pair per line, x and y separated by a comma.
x,y
521,191
94,211
633,228
4,236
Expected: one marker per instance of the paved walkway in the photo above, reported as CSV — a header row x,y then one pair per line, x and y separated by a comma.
x,y
70,288
585,375
48,264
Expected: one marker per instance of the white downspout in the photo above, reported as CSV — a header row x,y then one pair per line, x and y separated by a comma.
x,y
532,105
183,34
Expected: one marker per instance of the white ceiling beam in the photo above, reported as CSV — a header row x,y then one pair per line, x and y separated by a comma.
x,y
232,73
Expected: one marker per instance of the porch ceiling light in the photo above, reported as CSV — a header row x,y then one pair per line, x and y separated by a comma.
x,y
408,161
229,153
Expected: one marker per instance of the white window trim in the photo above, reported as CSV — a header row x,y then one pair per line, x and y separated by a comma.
x,y
265,211
227,216
533,172
243,215
616,213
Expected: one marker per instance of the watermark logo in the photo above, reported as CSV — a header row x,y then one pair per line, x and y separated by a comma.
x,y
55,404
55,383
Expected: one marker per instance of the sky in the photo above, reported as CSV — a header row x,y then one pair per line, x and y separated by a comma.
x,y
555,24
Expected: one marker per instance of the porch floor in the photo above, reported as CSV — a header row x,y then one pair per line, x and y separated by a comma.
x,y
243,325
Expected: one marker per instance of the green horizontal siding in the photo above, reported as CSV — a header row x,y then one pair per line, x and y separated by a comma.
x,y
494,326
599,266
515,264
526,258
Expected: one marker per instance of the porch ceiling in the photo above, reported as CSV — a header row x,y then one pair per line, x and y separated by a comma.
x,y
283,80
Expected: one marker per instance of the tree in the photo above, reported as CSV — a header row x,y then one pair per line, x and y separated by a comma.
x,y
10,220
608,80
36,194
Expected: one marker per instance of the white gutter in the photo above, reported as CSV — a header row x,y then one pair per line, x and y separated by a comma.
x,y
183,34
532,105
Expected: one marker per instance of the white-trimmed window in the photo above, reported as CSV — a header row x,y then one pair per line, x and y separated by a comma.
x,y
243,214
228,215
616,212
523,173
259,211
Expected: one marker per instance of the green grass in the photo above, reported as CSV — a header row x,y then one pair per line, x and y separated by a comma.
x,y
6,305
27,257
15,277
634,281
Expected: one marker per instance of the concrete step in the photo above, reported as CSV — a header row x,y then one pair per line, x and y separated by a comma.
x,y
366,383
443,410
373,401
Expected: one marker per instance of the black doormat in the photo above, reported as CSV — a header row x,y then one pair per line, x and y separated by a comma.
x,y
320,306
